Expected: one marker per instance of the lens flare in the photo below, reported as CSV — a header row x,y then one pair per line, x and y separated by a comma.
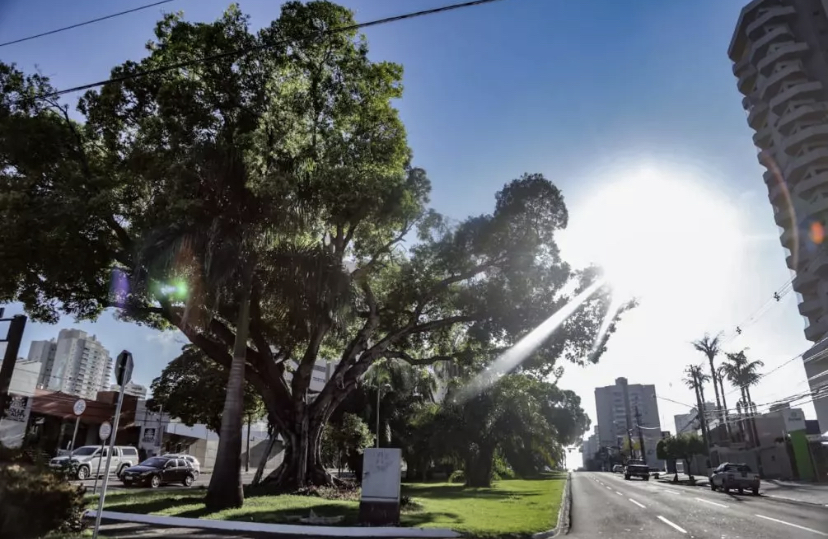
x,y
518,353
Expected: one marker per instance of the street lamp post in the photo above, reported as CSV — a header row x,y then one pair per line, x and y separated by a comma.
x,y
387,387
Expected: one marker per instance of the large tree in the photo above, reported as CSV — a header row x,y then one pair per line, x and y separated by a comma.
x,y
278,179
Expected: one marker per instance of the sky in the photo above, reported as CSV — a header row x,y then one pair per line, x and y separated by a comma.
x,y
601,97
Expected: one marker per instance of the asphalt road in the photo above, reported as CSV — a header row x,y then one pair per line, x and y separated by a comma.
x,y
605,505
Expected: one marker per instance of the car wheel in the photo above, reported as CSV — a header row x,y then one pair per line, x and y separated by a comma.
x,y
121,471
646,478
626,478
83,473
755,491
188,481
155,481
712,486
741,490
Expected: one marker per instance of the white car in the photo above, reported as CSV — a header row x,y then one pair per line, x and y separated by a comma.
x,y
89,459
194,463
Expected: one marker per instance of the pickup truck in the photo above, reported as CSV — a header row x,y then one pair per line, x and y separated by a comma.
x,y
637,468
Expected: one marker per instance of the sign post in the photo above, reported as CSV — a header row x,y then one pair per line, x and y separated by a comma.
x,y
379,504
103,432
123,375
78,408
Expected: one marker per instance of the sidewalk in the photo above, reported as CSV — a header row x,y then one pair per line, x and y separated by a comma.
x,y
795,491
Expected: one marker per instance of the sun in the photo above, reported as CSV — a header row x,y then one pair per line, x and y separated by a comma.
x,y
657,234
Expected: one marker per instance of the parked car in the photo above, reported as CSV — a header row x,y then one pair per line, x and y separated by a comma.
x,y
637,468
196,465
618,468
734,476
86,461
156,471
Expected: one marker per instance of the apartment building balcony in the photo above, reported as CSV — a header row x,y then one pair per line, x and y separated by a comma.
x,y
771,85
757,114
778,195
816,331
815,135
795,113
810,308
789,238
805,187
803,90
755,29
779,53
741,67
804,282
818,265
759,48
746,83
798,167
782,214
763,137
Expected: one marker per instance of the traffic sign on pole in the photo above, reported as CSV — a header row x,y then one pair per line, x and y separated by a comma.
x,y
123,368
79,407
104,430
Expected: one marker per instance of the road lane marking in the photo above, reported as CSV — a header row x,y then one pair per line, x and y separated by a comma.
x,y
638,504
676,526
712,503
609,488
794,525
671,491
618,493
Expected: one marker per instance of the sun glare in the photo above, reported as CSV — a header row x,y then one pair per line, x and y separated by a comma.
x,y
657,234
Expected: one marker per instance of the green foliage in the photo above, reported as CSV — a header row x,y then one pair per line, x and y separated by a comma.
x,y
345,443
457,476
26,491
192,388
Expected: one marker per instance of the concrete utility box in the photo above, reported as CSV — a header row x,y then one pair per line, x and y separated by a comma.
x,y
380,502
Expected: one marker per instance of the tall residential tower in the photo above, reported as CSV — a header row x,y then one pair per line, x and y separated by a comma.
x,y
75,363
780,58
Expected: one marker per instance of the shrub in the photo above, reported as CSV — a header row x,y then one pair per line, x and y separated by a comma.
x,y
29,490
457,476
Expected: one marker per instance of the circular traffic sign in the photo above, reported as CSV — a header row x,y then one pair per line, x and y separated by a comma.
x,y
79,407
105,430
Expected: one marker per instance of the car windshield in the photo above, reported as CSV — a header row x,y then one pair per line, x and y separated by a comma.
x,y
155,462
85,451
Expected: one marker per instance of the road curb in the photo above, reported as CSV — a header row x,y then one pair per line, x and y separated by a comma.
x,y
562,527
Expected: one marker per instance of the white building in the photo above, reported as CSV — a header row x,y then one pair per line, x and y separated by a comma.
x,y
21,390
131,388
623,408
75,363
779,51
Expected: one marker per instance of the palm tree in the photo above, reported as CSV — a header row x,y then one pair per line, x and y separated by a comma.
x,y
719,375
709,346
695,379
743,374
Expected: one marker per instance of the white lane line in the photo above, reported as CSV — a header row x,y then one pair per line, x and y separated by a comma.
x,y
712,503
609,488
638,504
670,491
618,493
676,526
794,525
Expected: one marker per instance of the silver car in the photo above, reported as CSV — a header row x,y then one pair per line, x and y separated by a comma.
x,y
730,475
194,463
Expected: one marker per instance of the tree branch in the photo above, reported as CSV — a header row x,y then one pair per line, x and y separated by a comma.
x,y
360,271
399,354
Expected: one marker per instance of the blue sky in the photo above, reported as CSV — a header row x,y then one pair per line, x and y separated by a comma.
x,y
581,91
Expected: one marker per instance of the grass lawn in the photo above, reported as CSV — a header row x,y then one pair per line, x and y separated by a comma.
x,y
509,507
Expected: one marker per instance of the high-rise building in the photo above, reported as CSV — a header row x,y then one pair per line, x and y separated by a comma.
x,y
131,388
780,58
75,363
623,408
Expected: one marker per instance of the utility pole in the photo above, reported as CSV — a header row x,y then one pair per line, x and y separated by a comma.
x,y
640,435
13,338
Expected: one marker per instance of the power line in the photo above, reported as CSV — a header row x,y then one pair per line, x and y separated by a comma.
x,y
248,50
78,25
777,296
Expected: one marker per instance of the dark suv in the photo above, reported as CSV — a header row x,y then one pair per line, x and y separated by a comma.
x,y
637,468
156,471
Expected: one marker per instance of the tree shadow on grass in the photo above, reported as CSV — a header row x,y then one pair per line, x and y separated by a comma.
x,y
459,492
149,502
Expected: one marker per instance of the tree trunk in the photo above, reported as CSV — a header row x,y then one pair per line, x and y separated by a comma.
x,y
303,440
478,467
715,385
271,441
724,412
225,488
